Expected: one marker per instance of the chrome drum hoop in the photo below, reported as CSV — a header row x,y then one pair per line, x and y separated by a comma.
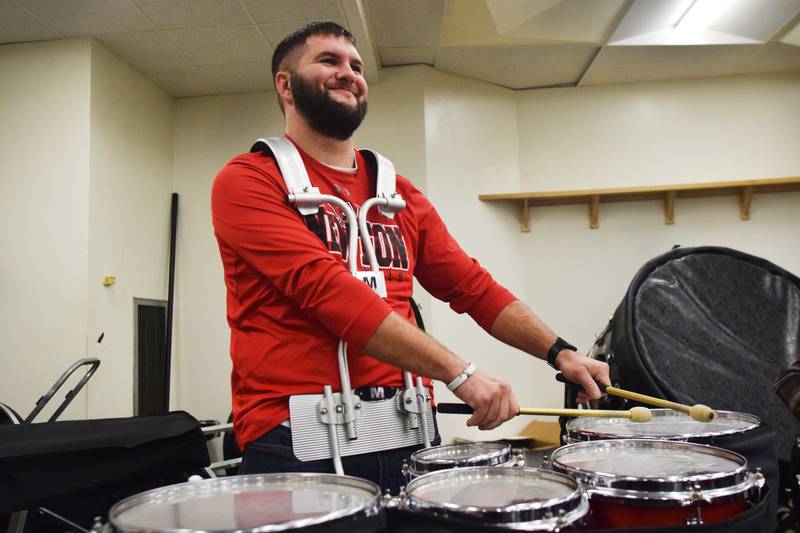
x,y
658,487
584,429
549,514
449,456
366,492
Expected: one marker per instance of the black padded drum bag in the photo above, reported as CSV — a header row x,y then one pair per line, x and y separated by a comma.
x,y
714,326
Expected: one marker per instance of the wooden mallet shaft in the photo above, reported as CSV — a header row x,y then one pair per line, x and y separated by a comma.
x,y
699,412
636,414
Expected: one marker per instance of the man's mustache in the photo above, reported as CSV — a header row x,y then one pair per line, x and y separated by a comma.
x,y
344,85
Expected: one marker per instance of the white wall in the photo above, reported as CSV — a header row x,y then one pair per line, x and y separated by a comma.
x,y
86,149
208,132
129,206
472,148
717,129
44,195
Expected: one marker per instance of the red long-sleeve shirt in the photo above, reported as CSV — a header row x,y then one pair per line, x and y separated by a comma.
x,y
290,296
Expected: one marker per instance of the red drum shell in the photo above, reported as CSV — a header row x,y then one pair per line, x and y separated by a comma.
x,y
636,483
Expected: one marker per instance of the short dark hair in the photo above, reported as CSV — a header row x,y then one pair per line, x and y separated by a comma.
x,y
298,38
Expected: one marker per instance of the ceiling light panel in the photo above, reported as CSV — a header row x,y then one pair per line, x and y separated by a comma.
x,y
703,22
759,20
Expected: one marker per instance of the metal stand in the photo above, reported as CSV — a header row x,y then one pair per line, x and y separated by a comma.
x,y
93,363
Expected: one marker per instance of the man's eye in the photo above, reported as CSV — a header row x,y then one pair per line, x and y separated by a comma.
x,y
329,61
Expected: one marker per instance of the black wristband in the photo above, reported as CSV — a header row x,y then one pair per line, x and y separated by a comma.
x,y
555,349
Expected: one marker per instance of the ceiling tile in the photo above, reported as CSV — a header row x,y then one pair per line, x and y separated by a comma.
x,y
407,56
407,24
17,24
470,23
622,64
775,57
239,78
574,21
181,81
276,32
178,14
144,49
267,11
518,67
793,36
90,17
214,46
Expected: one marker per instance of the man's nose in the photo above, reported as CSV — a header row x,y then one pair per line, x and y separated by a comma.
x,y
345,72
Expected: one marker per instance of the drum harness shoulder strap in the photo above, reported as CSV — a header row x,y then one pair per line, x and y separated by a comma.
x,y
338,412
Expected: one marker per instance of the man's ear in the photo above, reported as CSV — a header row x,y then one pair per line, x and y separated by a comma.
x,y
283,86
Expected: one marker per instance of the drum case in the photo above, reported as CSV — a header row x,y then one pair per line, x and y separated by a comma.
x,y
710,325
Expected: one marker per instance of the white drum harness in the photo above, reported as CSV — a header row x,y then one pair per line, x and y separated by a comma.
x,y
407,419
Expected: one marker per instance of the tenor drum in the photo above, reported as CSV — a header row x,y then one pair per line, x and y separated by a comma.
x,y
492,498
640,483
666,424
450,456
254,503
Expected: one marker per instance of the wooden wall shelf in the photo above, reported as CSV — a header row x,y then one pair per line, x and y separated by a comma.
x,y
668,193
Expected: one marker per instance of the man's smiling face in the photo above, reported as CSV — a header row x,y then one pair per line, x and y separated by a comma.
x,y
328,86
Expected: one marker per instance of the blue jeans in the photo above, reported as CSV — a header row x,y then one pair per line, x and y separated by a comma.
x,y
272,453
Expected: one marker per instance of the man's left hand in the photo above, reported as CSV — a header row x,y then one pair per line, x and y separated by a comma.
x,y
584,371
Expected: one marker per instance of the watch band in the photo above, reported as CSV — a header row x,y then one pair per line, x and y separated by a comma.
x,y
462,377
555,349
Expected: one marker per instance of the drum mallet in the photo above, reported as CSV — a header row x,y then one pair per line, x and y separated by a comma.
x,y
636,414
698,411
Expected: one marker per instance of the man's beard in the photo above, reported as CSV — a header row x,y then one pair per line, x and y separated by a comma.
x,y
324,114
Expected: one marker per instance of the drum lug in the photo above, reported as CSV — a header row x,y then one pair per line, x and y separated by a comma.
x,y
519,458
759,481
560,522
406,471
697,501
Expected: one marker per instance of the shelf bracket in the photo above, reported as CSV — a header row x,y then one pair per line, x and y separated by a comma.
x,y
594,209
669,207
745,197
524,217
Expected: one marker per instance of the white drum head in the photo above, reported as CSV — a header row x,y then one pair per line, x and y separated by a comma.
x,y
666,424
254,503
650,465
460,455
529,497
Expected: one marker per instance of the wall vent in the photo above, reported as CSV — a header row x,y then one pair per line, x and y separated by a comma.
x,y
150,362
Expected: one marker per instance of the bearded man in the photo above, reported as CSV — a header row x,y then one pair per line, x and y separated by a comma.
x,y
291,298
